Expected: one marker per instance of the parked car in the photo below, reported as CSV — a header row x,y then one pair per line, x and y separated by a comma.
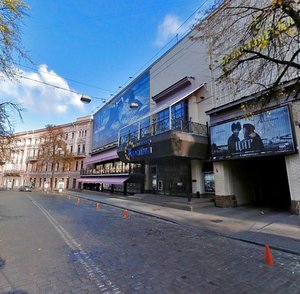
x,y
25,188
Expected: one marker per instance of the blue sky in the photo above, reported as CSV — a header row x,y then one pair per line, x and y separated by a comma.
x,y
90,47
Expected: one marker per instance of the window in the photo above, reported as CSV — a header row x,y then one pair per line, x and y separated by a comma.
x,y
81,164
66,136
85,132
76,167
72,135
71,149
179,114
145,127
83,148
78,149
162,121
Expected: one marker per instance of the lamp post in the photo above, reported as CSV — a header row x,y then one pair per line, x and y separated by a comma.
x,y
133,105
85,99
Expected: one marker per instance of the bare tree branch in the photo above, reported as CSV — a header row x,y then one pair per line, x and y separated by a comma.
x,y
278,61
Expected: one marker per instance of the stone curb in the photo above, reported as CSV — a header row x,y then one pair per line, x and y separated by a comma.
x,y
249,241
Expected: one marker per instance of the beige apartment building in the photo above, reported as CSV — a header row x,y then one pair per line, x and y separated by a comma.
x,y
22,169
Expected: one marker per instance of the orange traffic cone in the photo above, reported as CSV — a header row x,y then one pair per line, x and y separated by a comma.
x,y
78,201
97,205
125,213
268,256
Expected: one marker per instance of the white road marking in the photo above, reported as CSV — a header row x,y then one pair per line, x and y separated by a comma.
x,y
104,284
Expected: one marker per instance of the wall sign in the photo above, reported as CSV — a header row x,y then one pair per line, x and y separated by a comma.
x,y
141,148
209,182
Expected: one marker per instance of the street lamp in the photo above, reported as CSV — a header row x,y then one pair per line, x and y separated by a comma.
x,y
133,105
85,99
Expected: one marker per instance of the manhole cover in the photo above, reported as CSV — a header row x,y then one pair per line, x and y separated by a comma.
x,y
216,220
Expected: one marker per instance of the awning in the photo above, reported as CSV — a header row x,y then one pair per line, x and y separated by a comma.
x,y
104,180
104,156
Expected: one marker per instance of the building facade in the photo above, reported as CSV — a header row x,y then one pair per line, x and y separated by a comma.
x,y
179,129
23,167
153,136
254,137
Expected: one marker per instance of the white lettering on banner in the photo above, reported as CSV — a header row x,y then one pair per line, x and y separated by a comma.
x,y
139,152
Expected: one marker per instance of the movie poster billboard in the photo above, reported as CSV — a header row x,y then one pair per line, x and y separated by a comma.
x,y
262,134
209,182
117,113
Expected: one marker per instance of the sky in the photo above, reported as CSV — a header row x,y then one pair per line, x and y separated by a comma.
x,y
89,47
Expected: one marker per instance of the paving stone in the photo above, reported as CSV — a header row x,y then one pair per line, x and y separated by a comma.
x,y
137,255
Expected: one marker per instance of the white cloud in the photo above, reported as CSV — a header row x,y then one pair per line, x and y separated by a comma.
x,y
168,29
36,96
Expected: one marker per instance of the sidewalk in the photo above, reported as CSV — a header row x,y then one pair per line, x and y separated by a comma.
x,y
279,229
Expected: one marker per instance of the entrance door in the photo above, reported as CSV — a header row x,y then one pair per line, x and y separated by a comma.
x,y
270,183
154,177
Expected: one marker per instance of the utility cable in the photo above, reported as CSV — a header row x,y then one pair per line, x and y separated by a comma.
x,y
104,100
164,47
68,79
61,88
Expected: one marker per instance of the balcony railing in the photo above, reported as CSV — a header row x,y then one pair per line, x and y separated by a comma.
x,y
110,171
162,126
79,154
13,172
32,158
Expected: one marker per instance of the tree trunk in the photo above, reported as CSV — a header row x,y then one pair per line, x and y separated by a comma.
x,y
52,176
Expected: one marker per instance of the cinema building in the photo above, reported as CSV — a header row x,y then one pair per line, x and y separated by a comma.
x,y
253,136
262,166
178,130
153,136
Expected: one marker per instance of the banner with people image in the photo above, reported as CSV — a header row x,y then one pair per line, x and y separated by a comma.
x,y
117,113
263,134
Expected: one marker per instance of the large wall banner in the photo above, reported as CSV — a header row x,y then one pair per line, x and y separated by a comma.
x,y
262,134
117,113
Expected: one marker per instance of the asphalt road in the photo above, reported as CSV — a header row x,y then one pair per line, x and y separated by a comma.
x,y
52,244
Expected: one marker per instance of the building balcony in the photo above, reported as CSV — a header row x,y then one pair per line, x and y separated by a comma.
x,y
165,138
79,155
32,159
13,172
57,174
111,171
163,126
